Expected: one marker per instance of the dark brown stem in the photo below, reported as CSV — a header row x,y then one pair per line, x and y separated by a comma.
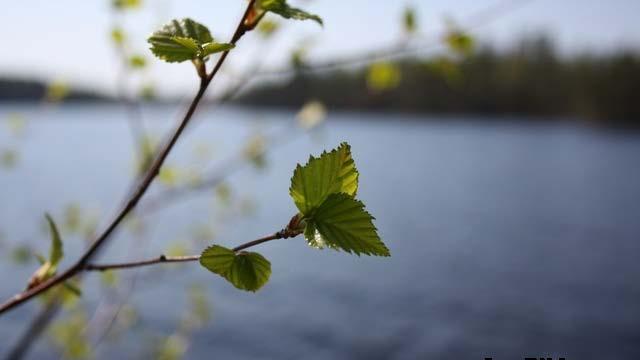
x,y
138,193
162,259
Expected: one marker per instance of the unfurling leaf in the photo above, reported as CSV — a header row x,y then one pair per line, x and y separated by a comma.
x,y
342,222
324,191
184,40
283,9
245,270
48,267
56,253
333,172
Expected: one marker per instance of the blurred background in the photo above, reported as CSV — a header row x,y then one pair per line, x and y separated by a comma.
x,y
497,143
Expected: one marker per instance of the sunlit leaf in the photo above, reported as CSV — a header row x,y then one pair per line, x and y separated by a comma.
x,y
56,253
184,40
333,172
342,222
383,76
213,48
283,9
245,270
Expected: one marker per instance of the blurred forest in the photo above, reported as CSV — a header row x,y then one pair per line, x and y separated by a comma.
x,y
529,78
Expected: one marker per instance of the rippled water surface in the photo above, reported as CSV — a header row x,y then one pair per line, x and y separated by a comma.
x,y
508,239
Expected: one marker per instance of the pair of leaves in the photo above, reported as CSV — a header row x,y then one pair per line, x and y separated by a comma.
x,y
283,9
324,192
245,270
183,40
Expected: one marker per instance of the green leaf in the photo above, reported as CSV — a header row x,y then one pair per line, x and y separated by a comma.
x,y
189,44
56,252
342,222
283,9
245,270
184,40
212,48
333,172
409,20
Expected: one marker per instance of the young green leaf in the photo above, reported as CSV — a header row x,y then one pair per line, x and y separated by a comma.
x,y
184,40
48,267
333,172
409,20
245,270
342,222
283,9
56,253
212,48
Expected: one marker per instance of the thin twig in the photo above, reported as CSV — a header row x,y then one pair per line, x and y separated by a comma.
x,y
141,189
162,259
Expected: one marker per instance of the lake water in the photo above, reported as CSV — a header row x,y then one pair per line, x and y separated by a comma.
x,y
508,239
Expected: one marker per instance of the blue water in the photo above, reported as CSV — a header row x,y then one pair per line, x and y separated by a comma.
x,y
509,239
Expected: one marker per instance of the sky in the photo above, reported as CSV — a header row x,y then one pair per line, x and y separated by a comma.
x,y
68,40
